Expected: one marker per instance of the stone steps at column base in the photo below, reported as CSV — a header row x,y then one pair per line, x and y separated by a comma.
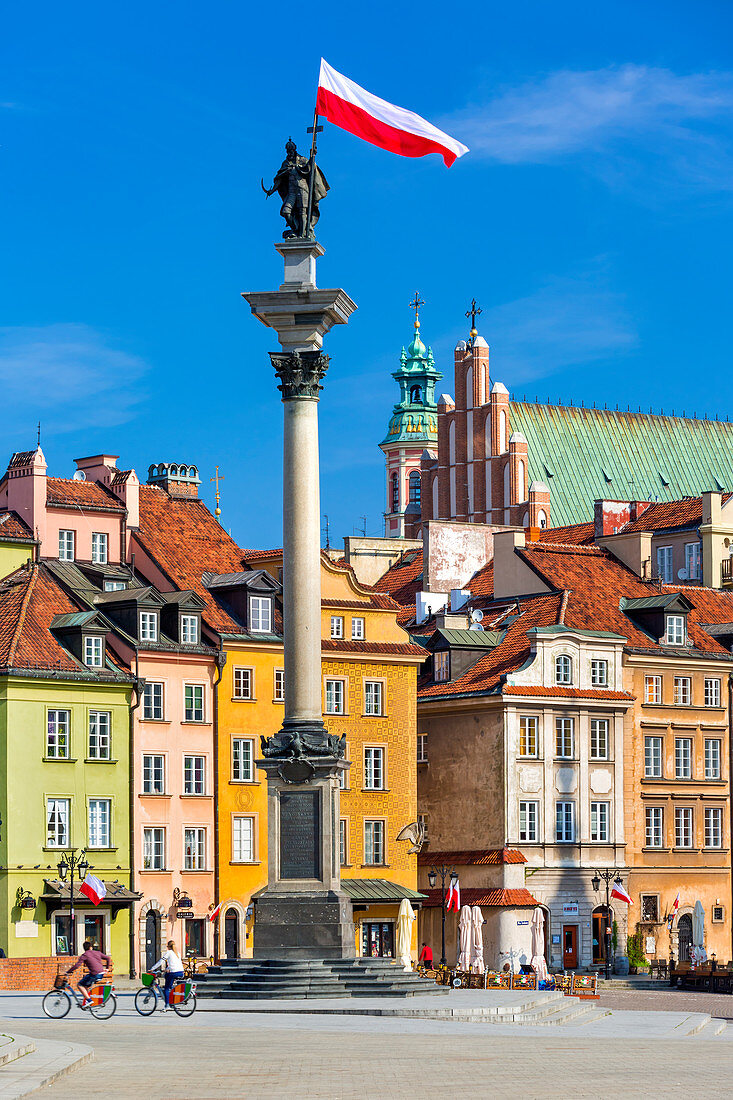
x,y
309,978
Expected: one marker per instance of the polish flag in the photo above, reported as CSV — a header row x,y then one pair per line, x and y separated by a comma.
x,y
453,901
619,892
393,128
675,907
214,912
93,888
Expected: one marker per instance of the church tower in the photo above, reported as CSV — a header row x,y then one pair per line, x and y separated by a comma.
x,y
413,429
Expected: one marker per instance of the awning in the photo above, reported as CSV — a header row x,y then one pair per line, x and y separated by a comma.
x,y
58,892
378,890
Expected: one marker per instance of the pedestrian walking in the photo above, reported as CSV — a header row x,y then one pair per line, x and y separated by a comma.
x,y
426,955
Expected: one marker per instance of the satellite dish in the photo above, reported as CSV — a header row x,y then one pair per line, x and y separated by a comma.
x,y
477,616
683,574
79,475
475,626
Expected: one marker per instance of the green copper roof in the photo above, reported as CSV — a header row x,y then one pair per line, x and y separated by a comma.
x,y
415,417
378,889
594,454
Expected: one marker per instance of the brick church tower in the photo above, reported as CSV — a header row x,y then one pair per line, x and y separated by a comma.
x,y
412,435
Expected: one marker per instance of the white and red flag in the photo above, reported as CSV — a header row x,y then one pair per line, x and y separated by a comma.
x,y
214,912
367,116
93,888
619,892
453,901
675,907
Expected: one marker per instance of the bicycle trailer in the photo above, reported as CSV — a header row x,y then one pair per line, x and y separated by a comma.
x,y
181,991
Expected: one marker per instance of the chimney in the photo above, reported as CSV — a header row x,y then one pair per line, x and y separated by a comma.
x,y
26,490
178,480
101,468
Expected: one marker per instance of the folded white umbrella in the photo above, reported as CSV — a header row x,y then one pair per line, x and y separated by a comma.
x,y
405,917
477,940
539,965
465,935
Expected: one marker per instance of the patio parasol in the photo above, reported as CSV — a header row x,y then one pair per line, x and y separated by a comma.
x,y
405,917
477,940
465,935
698,931
538,943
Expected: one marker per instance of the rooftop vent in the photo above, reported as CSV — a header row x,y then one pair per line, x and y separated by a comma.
x,y
177,478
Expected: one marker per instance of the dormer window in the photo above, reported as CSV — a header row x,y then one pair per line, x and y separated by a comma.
x,y
190,629
93,651
114,586
99,547
148,626
675,632
441,666
563,669
260,614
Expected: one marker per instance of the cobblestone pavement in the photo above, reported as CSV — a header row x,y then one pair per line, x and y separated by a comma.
x,y
230,1055
666,999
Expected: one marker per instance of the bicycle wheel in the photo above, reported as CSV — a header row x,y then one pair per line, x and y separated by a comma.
x,y
103,1012
145,1001
56,1004
188,1007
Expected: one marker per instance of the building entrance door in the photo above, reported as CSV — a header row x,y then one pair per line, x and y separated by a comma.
x,y
570,946
152,938
377,939
231,934
684,937
600,922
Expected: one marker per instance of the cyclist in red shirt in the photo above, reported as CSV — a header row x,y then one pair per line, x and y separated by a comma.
x,y
96,963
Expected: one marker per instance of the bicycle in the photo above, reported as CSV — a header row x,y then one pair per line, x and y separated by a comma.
x,y
182,998
57,1002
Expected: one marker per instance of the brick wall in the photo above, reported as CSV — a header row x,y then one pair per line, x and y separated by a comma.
x,y
32,973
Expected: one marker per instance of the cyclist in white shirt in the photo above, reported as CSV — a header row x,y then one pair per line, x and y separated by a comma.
x,y
173,970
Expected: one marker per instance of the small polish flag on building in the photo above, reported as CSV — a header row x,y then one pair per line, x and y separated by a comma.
x,y
93,888
619,892
214,912
453,901
366,116
673,910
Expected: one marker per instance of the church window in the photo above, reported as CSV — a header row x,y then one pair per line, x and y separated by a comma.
x,y
414,487
452,442
395,493
521,494
542,518
469,388
507,485
415,397
502,433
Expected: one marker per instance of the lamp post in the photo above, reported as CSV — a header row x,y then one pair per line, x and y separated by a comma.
x,y
608,875
444,872
68,864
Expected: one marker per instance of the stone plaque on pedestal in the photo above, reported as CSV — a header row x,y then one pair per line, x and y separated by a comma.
x,y
300,835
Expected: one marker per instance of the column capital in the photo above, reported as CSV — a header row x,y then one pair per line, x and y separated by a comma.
x,y
300,373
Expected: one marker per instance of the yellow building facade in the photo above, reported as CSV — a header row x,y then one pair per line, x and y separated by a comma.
x,y
369,673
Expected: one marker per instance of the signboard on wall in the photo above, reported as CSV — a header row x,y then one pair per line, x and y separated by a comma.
x,y
571,909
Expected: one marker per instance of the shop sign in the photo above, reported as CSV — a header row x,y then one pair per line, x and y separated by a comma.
x,y
521,922
185,914
571,909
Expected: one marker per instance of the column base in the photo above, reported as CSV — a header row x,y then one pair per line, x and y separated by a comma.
x,y
318,925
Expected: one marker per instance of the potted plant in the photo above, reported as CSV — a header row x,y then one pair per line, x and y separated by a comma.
x,y
636,956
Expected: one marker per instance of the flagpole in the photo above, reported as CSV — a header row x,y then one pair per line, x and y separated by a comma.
x,y
314,146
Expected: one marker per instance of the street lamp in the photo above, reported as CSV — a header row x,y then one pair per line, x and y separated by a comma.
x,y
444,873
68,864
608,876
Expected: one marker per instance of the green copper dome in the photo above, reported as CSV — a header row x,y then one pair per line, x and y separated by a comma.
x,y
415,417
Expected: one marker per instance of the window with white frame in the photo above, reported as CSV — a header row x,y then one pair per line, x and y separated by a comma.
x,y
599,817
374,843
682,691
100,722
652,757
441,666
712,692
66,545
58,813
194,849
373,697
334,696
193,706
58,730
243,683
279,694
373,768
357,629
343,842
190,629
99,547
529,812
337,626
563,669
564,822
654,827
713,827
153,701
260,614
564,728
153,773
93,651
683,833
148,626
154,849
114,586
422,820
683,758
664,564
194,774
243,838
675,630
422,748
99,822
528,734
599,738
652,689
692,560
242,759
712,758
344,775
599,673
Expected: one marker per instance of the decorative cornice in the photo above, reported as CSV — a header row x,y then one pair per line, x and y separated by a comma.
x,y
300,373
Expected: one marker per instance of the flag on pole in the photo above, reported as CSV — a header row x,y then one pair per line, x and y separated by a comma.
x,y
453,901
619,892
214,912
675,907
366,116
93,888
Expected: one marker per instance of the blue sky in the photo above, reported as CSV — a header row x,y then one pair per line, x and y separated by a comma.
x,y
591,219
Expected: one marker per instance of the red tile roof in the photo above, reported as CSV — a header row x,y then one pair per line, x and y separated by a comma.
x,y
490,857
29,600
482,582
397,649
565,692
403,581
666,514
576,534
478,895
13,527
81,494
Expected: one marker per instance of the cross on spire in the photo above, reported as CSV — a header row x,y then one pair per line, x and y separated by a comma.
x,y
473,313
217,478
415,304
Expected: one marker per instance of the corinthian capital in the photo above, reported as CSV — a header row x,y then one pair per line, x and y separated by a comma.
x,y
300,372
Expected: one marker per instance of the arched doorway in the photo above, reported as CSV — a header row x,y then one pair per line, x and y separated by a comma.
x,y
684,937
602,918
152,938
231,934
